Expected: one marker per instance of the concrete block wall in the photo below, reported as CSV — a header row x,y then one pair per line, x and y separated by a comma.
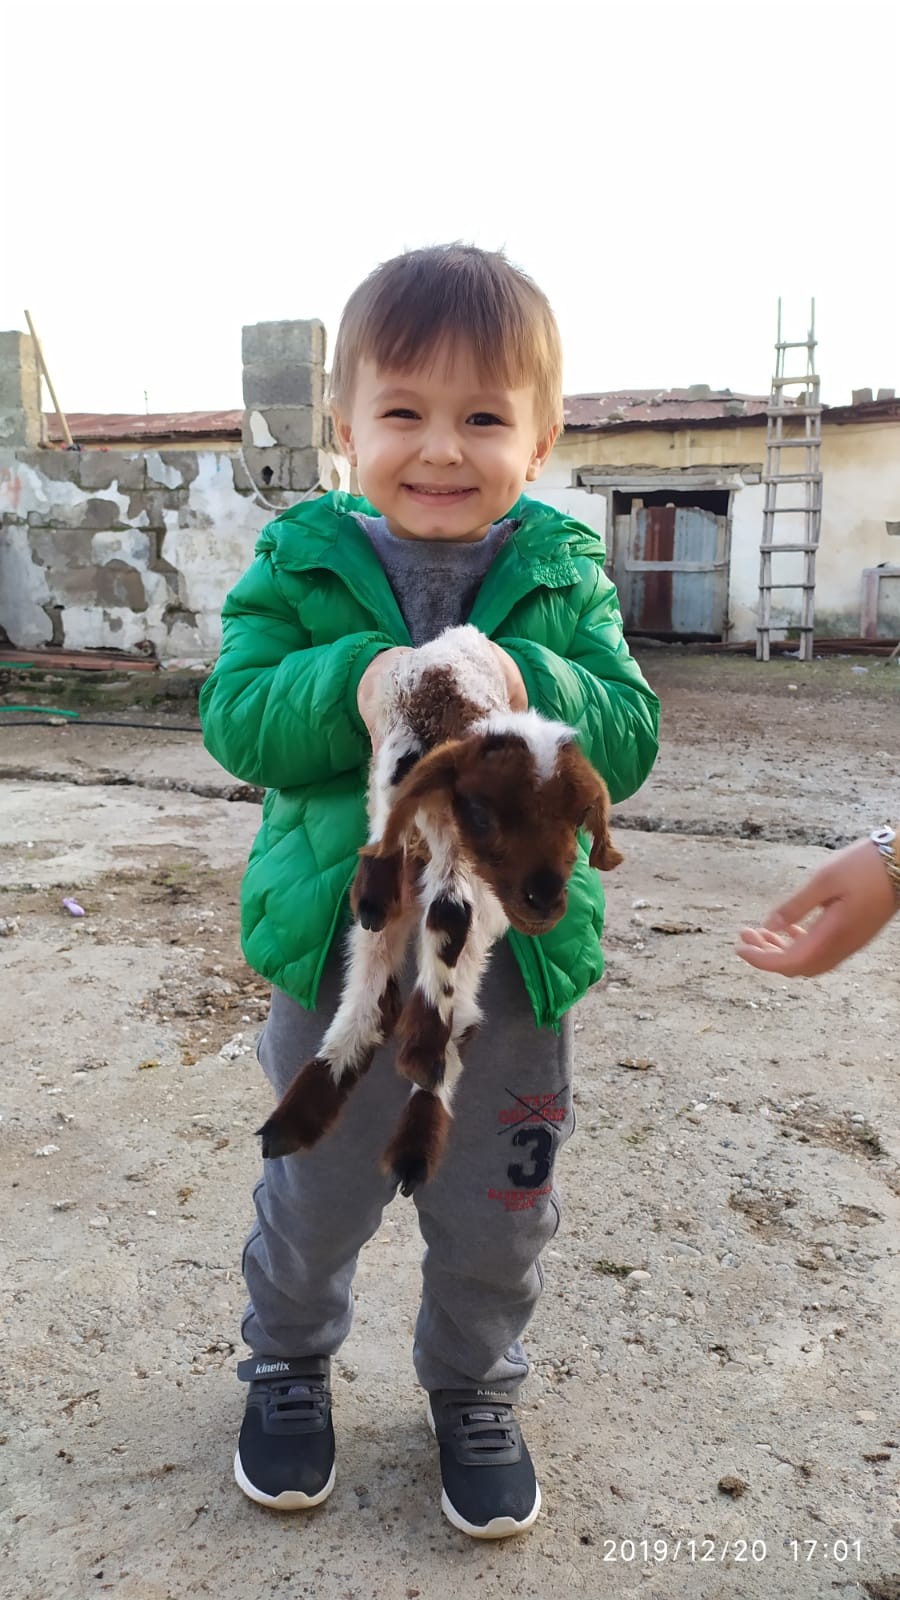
x,y
132,548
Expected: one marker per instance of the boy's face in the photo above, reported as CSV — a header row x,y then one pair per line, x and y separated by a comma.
x,y
438,453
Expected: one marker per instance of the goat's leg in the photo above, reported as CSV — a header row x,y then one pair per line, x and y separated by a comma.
x,y
426,1053
378,886
415,1151
446,893
452,953
365,1018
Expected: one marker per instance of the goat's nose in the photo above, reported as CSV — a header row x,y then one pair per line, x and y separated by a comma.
x,y
543,890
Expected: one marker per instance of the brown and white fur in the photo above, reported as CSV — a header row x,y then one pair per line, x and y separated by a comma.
x,y
474,811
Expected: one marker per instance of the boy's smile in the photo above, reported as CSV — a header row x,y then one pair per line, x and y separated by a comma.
x,y
440,451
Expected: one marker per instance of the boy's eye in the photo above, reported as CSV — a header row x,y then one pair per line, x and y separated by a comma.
x,y
486,419
402,411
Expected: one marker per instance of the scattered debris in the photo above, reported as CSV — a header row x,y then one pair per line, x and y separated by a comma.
x,y
732,1485
613,1269
47,1150
8,927
676,927
636,1063
73,908
235,1047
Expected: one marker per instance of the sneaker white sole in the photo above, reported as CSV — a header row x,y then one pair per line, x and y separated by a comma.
x,y
498,1527
288,1500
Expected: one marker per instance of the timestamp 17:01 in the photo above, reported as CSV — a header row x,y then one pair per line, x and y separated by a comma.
x,y
837,1550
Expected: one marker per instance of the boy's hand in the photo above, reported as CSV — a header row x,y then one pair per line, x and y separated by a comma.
x,y
367,694
515,683
855,898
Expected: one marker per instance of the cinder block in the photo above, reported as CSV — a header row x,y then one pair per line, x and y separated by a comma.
x,y
20,391
304,469
278,384
240,475
62,549
155,502
100,469
292,427
59,466
268,469
283,344
184,461
58,516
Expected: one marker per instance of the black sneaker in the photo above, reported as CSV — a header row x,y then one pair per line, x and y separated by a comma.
x,y
490,1490
285,1453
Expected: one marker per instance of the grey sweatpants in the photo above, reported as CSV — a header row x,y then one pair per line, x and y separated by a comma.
x,y
485,1217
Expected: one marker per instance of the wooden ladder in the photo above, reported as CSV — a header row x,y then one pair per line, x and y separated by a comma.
x,y
785,406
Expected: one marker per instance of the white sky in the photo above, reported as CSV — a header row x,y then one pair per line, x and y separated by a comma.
x,y
665,171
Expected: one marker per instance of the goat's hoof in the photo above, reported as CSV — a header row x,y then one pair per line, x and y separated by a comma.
x,y
305,1112
377,888
371,915
414,1154
277,1140
409,1175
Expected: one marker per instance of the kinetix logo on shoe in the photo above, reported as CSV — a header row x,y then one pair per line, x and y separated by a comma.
x,y
492,1394
271,1366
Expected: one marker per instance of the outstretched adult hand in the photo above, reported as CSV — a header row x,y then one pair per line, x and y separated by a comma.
x,y
854,897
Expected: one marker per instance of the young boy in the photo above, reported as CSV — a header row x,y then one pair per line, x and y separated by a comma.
x,y
446,394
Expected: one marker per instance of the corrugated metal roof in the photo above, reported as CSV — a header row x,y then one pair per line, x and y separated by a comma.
x,y
660,407
98,427
615,409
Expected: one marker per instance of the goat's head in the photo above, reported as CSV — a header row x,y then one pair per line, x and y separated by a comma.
x,y
515,800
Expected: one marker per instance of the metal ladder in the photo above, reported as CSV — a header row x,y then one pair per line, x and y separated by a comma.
x,y
805,406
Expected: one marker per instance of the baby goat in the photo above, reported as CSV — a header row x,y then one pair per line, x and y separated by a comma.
x,y
474,811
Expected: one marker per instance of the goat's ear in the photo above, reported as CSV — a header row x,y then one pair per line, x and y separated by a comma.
x,y
591,791
430,779
604,854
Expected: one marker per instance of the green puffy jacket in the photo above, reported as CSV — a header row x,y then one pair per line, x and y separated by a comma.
x,y
279,710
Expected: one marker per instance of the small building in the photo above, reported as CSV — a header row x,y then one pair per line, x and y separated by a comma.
x,y
678,478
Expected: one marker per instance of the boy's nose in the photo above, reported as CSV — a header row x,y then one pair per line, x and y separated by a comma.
x,y
441,449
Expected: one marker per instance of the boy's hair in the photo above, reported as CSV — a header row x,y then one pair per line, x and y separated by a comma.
x,y
409,307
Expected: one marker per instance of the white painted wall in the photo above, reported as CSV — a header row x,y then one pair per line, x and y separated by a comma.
x,y
861,492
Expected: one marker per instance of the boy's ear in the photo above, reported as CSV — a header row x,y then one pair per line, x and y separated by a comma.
x,y
344,435
541,452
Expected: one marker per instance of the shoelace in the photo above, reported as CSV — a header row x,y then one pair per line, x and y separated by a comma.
x,y
293,1401
482,1428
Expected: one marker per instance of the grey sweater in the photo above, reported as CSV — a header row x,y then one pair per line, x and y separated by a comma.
x,y
434,582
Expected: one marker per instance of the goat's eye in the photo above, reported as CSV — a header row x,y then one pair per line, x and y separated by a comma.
x,y
475,814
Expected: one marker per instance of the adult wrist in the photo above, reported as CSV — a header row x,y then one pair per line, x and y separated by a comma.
x,y
886,843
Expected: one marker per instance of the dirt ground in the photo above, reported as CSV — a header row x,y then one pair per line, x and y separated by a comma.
x,y
726,1427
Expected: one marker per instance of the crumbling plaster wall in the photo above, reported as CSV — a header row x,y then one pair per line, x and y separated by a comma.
x,y
138,548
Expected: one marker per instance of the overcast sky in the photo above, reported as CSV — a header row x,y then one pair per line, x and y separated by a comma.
x,y
665,171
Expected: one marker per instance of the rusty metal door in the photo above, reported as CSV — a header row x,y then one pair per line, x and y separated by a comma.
x,y
671,569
